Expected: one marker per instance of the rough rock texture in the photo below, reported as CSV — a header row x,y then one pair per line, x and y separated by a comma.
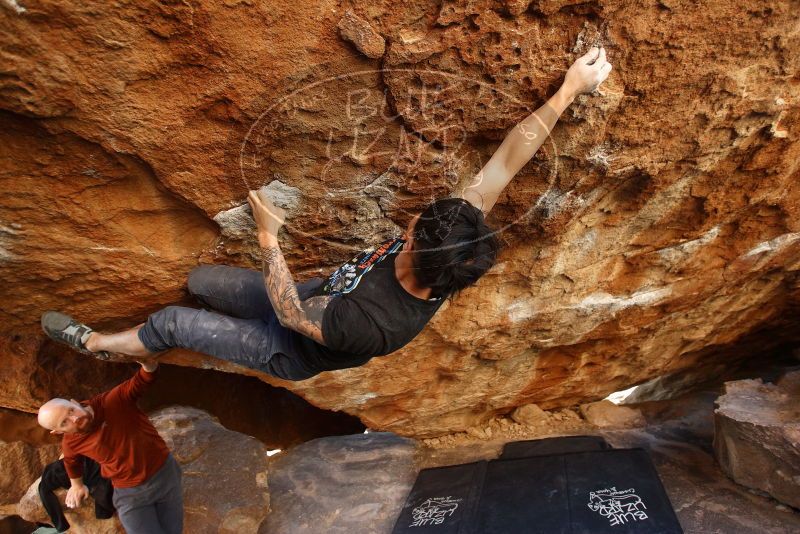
x,y
369,476
21,426
656,228
224,473
358,31
81,520
19,464
705,500
348,484
224,478
606,414
757,436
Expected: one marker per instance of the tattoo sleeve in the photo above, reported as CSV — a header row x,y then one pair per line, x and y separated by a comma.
x,y
305,316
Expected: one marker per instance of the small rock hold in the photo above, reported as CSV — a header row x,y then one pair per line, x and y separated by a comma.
x,y
236,223
359,32
283,195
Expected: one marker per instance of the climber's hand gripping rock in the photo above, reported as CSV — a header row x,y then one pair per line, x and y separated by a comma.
x,y
269,217
588,72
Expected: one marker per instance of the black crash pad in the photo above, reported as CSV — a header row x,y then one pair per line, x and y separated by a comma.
x,y
443,500
618,491
560,445
594,492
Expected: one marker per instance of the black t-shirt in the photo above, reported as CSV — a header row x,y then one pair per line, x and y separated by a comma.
x,y
371,314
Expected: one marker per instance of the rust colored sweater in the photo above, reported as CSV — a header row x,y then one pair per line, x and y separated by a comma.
x,y
121,439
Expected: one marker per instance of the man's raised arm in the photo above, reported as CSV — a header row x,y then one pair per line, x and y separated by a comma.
x,y
305,316
519,146
133,388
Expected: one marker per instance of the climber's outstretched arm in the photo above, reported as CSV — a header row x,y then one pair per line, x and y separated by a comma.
x,y
305,316
522,142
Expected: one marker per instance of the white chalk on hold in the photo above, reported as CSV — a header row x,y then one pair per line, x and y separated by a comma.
x,y
263,194
282,195
15,6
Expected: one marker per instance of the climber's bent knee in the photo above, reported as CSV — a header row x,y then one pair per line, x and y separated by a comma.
x,y
167,328
247,342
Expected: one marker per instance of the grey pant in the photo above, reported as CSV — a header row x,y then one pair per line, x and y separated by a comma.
x,y
246,332
155,506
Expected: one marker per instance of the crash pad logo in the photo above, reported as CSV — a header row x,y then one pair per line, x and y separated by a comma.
x,y
434,511
620,507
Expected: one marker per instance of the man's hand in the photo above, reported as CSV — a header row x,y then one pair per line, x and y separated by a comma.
x,y
269,218
587,73
76,494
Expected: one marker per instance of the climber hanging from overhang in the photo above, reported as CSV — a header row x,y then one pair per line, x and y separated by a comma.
x,y
371,306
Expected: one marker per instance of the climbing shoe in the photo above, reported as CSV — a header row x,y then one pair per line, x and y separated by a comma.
x,y
65,329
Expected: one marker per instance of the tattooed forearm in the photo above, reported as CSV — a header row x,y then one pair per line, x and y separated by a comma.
x,y
304,317
280,286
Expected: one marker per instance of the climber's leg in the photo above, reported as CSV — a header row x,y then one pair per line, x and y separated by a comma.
x,y
232,290
236,291
126,342
248,342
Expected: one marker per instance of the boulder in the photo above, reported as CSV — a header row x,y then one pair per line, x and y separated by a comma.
x,y
312,485
658,226
606,414
757,435
224,473
20,464
354,484
81,520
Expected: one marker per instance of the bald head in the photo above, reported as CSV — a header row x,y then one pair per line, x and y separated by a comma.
x,y
49,411
62,416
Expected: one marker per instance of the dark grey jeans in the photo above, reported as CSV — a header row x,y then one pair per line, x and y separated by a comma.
x,y
156,505
246,332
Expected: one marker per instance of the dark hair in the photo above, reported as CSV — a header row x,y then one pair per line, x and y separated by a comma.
x,y
452,247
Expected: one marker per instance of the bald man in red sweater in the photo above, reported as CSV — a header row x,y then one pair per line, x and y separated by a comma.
x,y
110,429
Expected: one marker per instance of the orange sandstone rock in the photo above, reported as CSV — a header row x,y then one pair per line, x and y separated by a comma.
x,y
656,230
358,31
